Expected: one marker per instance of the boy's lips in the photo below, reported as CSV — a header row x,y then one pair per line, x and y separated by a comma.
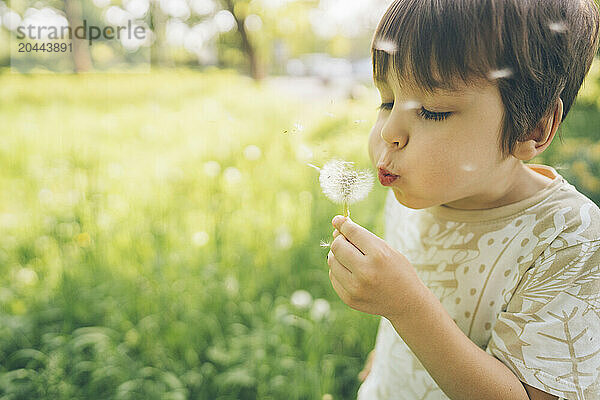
x,y
385,177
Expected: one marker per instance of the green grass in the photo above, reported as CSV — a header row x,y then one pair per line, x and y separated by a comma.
x,y
128,271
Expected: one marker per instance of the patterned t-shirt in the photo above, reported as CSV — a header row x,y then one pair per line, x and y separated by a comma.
x,y
522,281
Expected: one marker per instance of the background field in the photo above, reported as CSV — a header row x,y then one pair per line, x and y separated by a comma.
x,y
160,235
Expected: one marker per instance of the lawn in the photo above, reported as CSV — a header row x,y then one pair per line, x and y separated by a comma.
x,y
160,236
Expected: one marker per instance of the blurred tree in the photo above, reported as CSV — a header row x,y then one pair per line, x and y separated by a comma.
x,y
158,52
239,11
82,61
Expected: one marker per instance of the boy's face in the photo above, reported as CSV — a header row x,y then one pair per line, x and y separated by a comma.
x,y
445,147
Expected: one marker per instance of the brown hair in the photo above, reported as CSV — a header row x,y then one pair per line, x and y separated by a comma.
x,y
536,50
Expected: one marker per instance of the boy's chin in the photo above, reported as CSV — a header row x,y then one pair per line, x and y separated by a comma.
x,y
411,202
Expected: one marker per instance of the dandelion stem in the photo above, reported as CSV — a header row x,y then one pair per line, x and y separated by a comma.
x,y
346,209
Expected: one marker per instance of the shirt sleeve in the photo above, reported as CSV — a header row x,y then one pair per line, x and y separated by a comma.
x,y
549,335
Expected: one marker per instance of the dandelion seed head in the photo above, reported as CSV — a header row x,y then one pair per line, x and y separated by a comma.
x,y
252,152
301,299
500,73
284,239
232,285
342,184
386,45
557,26
212,168
232,175
320,309
200,238
26,276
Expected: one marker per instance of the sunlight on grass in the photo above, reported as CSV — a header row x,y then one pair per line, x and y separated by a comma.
x,y
154,230
161,236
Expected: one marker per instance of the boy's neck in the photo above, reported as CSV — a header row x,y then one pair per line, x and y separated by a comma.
x,y
525,182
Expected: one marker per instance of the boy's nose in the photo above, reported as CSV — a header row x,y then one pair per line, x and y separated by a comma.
x,y
396,128
394,136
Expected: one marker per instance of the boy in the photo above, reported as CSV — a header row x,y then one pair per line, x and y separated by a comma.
x,y
488,282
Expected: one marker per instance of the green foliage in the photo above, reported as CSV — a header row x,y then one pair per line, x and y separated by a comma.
x,y
576,154
129,272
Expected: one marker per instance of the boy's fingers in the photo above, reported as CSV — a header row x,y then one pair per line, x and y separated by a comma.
x,y
335,233
360,237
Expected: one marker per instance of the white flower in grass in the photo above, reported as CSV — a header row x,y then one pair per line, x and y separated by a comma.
x,y
301,299
26,276
232,175
200,238
252,152
284,239
343,185
212,168
232,285
320,309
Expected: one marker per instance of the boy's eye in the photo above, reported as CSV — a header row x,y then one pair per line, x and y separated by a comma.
x,y
423,112
386,106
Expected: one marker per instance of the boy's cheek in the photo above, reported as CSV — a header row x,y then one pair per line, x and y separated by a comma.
x,y
375,146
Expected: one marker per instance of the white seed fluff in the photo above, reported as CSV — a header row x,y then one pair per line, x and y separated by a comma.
x,y
342,184
500,74
386,45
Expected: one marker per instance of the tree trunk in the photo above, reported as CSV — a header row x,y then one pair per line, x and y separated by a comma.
x,y
256,67
81,53
158,55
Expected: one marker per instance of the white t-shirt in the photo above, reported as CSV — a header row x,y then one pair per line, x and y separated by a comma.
x,y
522,281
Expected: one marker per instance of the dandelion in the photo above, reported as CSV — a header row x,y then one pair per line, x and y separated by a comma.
x,y
320,309
284,239
200,238
342,184
26,276
232,285
252,152
232,175
212,168
301,299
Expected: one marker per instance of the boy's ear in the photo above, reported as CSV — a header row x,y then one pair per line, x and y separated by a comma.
x,y
541,136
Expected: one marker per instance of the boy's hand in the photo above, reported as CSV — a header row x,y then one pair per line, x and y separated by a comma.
x,y
369,275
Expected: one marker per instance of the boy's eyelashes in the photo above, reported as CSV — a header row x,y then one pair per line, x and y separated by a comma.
x,y
423,112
